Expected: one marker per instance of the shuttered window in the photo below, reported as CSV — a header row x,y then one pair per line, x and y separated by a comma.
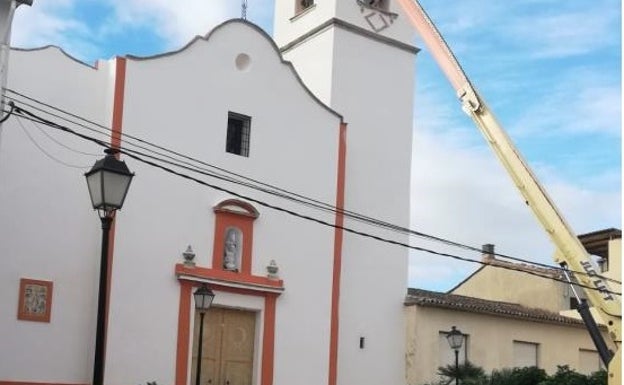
x,y
525,354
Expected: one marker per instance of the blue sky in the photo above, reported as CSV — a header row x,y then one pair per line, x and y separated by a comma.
x,y
549,69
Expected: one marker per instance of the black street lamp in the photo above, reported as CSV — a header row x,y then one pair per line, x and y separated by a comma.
x,y
455,339
203,299
108,182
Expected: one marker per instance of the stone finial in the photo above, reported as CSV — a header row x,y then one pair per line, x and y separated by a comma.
x,y
272,270
189,256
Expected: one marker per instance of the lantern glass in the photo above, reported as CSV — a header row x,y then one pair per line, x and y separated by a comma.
x,y
203,298
455,339
108,183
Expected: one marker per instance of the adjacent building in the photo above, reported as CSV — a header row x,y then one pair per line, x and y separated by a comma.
x,y
511,315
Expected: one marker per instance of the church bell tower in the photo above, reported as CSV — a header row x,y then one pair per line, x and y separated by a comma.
x,y
358,57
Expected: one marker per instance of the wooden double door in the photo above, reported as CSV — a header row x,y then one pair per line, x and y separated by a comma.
x,y
228,347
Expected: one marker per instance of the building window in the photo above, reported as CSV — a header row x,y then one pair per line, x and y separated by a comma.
x,y
570,294
589,361
447,355
302,5
525,354
238,130
603,264
382,5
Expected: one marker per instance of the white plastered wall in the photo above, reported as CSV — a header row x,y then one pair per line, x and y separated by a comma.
x,y
182,101
370,81
48,228
373,89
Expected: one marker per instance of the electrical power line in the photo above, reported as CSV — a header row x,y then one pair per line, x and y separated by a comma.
x,y
43,150
231,177
132,154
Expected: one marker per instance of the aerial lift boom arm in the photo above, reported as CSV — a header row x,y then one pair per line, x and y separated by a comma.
x,y
570,252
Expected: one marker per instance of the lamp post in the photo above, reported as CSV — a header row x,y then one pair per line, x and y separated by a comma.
x,y
108,182
455,339
203,299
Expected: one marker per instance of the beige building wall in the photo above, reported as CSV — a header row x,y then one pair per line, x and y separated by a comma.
x,y
615,264
490,342
496,283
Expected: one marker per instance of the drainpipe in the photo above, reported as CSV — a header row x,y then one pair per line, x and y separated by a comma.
x,y
7,10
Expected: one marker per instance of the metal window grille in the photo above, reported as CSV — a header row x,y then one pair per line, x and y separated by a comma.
x,y
301,5
238,134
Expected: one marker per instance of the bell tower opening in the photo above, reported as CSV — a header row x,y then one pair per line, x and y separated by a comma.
x,y
302,5
382,5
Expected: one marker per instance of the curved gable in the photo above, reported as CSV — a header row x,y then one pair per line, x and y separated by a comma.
x,y
246,24
56,50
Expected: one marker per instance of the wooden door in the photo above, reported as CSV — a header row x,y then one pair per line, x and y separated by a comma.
x,y
228,347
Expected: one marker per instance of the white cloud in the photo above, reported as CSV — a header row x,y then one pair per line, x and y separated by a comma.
x,y
576,101
578,31
176,22
540,29
57,22
462,193
50,22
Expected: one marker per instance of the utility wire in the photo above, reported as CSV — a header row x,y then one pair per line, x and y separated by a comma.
x,y
270,189
43,151
132,154
323,206
58,142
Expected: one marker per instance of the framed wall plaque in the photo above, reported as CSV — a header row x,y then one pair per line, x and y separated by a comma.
x,y
35,300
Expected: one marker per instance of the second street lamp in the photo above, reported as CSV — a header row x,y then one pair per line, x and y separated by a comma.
x,y
203,299
108,182
455,339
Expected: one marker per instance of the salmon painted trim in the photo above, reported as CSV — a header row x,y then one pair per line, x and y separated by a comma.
x,y
232,282
338,238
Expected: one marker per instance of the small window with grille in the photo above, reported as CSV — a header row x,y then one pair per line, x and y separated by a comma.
x,y
382,5
238,130
302,5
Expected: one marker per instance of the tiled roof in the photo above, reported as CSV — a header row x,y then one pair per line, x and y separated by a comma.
x,y
428,298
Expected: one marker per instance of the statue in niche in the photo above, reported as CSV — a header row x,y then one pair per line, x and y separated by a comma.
x,y
232,248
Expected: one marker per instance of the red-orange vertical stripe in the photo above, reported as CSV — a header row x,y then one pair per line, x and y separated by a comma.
x,y
116,125
338,236
184,324
118,101
268,340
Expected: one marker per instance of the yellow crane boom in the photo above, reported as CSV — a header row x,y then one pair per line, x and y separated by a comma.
x,y
570,251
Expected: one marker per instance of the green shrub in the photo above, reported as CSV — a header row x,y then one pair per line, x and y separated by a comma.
x,y
598,378
567,376
518,376
469,374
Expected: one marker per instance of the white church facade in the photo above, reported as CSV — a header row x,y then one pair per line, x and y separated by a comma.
x,y
321,113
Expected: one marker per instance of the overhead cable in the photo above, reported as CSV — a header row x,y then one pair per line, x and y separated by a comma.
x,y
132,154
229,176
